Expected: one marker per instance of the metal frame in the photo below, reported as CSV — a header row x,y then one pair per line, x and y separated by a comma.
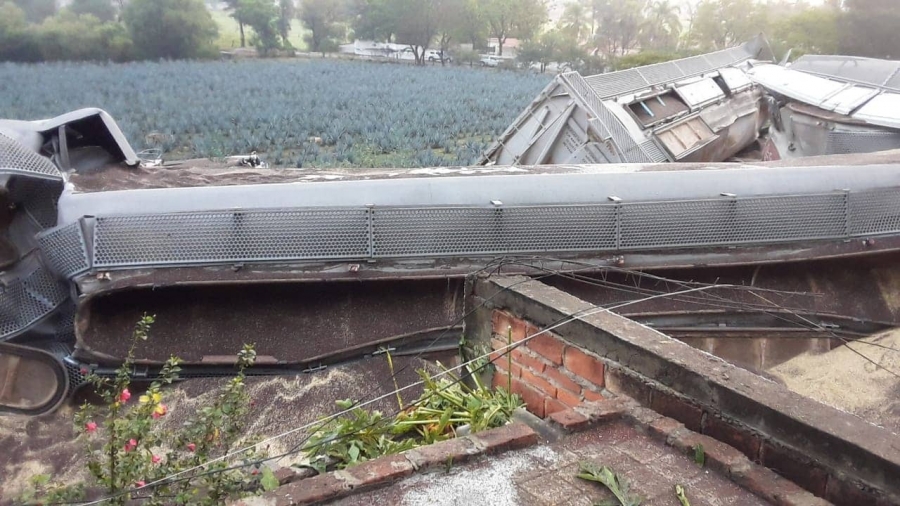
x,y
397,232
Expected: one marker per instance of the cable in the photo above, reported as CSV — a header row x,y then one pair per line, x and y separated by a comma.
x,y
593,309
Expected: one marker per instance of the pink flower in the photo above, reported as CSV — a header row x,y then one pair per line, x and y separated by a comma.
x,y
139,484
159,411
191,447
254,472
83,371
90,426
155,459
130,445
124,396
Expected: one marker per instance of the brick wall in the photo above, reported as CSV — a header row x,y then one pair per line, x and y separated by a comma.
x,y
829,453
547,373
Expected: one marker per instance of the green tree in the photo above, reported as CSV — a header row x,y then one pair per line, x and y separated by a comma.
x,y
37,10
286,13
17,40
100,9
619,25
720,24
513,18
170,28
233,6
871,28
262,16
70,36
575,21
372,19
321,18
473,28
416,23
663,26
811,31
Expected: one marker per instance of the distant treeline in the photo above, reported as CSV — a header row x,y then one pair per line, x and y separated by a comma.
x,y
588,35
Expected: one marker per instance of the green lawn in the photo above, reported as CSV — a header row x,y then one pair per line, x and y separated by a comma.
x,y
230,34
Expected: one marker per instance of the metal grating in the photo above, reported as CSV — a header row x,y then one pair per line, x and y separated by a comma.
x,y
840,143
16,158
732,221
231,236
65,249
38,197
875,212
479,231
26,301
619,83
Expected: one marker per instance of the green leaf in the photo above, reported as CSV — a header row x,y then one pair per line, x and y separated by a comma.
x,y
353,452
268,481
699,455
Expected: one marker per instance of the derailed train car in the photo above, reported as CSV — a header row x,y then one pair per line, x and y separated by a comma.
x,y
698,109
321,267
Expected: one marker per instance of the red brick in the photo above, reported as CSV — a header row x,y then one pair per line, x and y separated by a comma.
x,y
534,400
503,321
672,406
620,383
719,455
380,470
763,482
499,348
602,411
795,468
553,406
584,366
525,360
311,490
591,396
539,383
561,380
502,370
744,441
839,492
570,419
501,380
568,398
508,437
439,454
664,427
547,346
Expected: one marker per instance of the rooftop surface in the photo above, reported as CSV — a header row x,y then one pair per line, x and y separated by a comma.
x,y
545,474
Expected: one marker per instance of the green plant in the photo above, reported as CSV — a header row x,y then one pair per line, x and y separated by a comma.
x,y
680,495
351,439
607,477
126,447
446,405
699,454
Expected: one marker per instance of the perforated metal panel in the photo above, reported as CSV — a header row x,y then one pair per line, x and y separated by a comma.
x,y
65,249
875,212
843,142
732,221
231,236
38,197
479,231
16,158
27,300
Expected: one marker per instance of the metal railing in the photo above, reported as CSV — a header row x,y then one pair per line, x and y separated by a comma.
x,y
374,232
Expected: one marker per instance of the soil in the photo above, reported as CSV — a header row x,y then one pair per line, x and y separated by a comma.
x,y
862,378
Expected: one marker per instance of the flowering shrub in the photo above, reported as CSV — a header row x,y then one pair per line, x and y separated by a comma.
x,y
127,449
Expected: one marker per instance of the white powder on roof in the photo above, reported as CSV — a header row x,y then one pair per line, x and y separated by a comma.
x,y
476,484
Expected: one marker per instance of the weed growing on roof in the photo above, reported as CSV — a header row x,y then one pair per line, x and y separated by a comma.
x,y
446,407
126,448
293,113
607,477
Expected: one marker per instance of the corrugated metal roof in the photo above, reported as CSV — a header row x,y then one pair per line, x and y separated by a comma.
x,y
884,74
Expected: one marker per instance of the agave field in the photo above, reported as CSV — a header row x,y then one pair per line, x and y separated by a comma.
x,y
295,113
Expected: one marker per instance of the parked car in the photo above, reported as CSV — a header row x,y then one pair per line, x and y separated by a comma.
x,y
436,55
490,60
